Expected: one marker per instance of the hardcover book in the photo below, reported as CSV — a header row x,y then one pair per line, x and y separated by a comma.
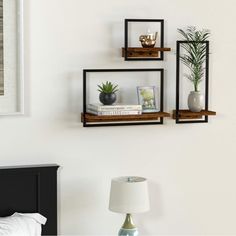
x,y
118,107
114,112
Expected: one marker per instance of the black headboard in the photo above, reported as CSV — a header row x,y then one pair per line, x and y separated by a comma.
x,y
30,189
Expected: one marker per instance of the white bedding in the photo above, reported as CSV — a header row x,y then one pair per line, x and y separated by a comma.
x,y
22,224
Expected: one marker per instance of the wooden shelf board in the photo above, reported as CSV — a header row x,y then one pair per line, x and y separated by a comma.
x,y
120,118
144,52
187,114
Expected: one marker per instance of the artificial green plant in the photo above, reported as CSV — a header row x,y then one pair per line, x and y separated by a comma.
x,y
107,87
195,53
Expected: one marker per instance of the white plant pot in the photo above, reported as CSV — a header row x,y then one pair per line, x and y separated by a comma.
x,y
195,101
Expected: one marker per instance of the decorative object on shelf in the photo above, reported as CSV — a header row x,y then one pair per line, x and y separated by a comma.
x,y
195,101
147,51
129,195
107,94
147,98
95,120
196,59
11,58
102,110
148,40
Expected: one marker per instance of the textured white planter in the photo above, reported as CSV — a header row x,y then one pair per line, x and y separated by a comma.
x,y
195,101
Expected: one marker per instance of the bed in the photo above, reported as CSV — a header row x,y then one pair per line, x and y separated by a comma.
x,y
30,189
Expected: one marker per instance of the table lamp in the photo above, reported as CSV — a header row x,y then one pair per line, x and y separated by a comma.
x,y
129,195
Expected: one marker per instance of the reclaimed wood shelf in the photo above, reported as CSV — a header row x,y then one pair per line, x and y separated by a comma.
x,y
140,52
119,118
187,114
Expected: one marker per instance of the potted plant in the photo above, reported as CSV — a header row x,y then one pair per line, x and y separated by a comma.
x,y
194,58
107,94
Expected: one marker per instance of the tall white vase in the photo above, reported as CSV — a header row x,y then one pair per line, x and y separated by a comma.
x,y
195,101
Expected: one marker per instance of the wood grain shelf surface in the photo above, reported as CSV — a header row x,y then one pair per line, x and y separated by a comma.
x,y
187,114
144,52
120,118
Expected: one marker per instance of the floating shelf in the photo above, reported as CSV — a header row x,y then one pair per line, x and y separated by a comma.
x,y
139,52
90,118
187,114
131,53
156,118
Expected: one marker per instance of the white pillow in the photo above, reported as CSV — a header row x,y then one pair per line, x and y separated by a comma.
x,y
20,224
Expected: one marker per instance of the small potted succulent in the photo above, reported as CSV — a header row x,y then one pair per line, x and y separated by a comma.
x,y
194,58
107,94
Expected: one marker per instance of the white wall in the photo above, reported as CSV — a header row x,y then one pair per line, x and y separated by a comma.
x,y
191,168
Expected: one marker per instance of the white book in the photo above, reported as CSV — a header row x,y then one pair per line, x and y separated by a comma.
x,y
114,113
99,107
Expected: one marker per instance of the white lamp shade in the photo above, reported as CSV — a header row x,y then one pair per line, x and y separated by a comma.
x,y
129,195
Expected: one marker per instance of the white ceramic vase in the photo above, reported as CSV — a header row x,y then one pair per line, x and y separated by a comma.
x,y
195,101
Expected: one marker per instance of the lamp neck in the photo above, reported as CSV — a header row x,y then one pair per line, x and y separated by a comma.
x,y
128,224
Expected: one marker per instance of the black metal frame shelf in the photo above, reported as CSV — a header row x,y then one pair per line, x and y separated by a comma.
x,y
185,116
127,49
133,120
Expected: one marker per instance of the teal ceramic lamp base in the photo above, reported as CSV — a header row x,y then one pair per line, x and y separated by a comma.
x,y
128,232
128,228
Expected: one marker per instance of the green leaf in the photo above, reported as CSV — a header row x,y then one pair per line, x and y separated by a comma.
x,y
194,55
107,87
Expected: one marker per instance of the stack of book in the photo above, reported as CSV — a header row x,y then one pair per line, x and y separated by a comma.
x,y
114,110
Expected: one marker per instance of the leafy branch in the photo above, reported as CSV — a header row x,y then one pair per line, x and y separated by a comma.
x,y
195,55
